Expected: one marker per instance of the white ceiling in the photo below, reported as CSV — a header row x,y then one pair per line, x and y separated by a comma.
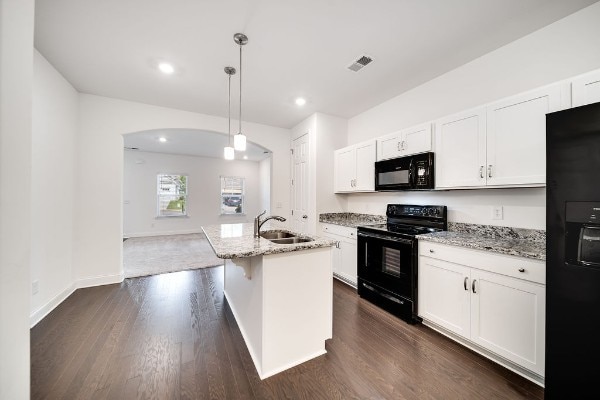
x,y
296,48
190,142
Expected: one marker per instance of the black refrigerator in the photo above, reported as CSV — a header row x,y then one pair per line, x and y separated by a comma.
x,y
573,253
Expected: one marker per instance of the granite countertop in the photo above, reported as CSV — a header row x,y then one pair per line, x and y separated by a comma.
x,y
514,242
238,241
351,220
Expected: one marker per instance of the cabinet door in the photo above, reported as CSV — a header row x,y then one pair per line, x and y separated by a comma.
x,y
416,140
508,318
345,169
348,261
444,294
389,146
586,89
516,137
460,144
365,167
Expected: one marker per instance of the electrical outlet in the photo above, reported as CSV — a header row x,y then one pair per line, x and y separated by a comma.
x,y
35,287
497,212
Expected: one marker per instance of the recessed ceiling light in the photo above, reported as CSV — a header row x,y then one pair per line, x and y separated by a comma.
x,y
162,139
245,157
166,68
300,101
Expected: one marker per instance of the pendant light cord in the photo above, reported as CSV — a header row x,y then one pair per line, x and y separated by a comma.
x,y
240,131
229,110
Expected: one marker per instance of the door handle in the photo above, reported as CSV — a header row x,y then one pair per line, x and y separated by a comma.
x,y
305,216
465,283
473,286
489,171
481,172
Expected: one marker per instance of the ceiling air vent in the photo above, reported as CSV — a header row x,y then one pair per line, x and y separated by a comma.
x,y
131,148
359,64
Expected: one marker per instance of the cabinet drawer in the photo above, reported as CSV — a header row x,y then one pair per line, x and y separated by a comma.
x,y
339,230
517,267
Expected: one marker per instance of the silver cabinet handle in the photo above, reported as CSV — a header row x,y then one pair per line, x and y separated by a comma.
x,y
521,269
465,283
490,171
305,216
399,146
431,250
404,145
481,172
337,245
473,286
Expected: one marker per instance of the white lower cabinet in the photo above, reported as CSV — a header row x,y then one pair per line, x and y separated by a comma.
x,y
344,252
494,301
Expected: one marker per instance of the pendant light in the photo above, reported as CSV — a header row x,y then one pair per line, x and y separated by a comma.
x,y
228,152
239,140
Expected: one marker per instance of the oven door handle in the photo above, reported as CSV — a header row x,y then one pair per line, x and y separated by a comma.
x,y
386,238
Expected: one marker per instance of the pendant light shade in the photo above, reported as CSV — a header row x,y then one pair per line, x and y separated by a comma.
x,y
228,151
239,140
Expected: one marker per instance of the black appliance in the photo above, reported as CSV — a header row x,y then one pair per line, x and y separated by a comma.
x,y
388,257
573,253
405,173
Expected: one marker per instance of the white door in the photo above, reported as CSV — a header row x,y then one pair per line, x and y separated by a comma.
x,y
508,318
444,291
516,137
389,146
365,167
586,89
460,150
416,140
300,185
348,260
345,169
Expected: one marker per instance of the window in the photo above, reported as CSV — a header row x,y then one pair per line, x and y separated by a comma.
x,y
232,195
172,195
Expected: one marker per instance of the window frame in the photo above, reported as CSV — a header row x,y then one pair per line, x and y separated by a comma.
x,y
222,179
185,211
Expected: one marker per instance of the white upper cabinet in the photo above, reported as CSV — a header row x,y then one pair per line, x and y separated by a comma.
x,y
585,89
460,150
408,141
355,168
503,144
516,137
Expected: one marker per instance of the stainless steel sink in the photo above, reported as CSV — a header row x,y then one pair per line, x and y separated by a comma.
x,y
292,240
277,235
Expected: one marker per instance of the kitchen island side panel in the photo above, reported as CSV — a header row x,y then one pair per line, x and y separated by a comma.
x,y
298,296
243,287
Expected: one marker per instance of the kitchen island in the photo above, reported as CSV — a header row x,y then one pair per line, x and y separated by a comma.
x,y
280,294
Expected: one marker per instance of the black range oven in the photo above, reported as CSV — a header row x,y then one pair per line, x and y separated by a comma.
x,y
388,257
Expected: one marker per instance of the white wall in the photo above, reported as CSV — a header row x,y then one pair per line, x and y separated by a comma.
x,y
99,220
55,114
264,171
16,75
566,48
204,185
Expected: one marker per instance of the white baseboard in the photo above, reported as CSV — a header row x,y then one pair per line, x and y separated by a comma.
x,y
100,280
47,308
162,233
44,310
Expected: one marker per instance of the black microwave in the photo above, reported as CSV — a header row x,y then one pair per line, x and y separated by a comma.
x,y
405,173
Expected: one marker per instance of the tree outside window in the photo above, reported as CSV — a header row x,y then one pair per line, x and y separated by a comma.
x,y
232,195
172,195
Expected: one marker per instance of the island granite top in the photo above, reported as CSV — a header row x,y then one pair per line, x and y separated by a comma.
x,y
510,246
238,241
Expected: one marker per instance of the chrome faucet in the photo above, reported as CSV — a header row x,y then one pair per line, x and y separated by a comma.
x,y
258,223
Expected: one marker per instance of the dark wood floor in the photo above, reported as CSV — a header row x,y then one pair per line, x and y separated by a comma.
x,y
173,336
